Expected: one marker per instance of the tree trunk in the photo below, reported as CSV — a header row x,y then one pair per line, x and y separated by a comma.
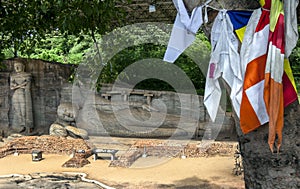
x,y
262,168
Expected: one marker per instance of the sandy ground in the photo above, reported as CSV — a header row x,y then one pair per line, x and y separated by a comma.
x,y
149,172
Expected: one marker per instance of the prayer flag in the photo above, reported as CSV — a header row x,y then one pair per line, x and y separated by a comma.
x,y
291,38
268,82
239,20
289,85
225,63
184,30
273,88
253,112
291,27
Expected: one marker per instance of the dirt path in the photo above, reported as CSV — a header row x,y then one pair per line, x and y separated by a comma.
x,y
212,172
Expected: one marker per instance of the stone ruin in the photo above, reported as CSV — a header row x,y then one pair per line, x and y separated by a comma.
x,y
168,149
46,82
65,124
54,111
37,99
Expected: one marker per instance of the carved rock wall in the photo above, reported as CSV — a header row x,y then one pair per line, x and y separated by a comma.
x,y
4,99
48,79
50,87
113,116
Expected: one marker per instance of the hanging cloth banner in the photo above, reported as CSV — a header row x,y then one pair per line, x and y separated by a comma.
x,y
184,30
253,57
273,88
265,81
225,60
267,89
224,63
291,38
260,78
239,21
291,27
289,85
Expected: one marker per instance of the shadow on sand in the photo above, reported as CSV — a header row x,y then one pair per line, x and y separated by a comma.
x,y
188,183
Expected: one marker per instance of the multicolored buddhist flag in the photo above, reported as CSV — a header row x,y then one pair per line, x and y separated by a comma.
x,y
253,112
291,38
239,20
267,88
273,88
289,85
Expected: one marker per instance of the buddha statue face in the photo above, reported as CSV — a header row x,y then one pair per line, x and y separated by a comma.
x,y
66,112
19,67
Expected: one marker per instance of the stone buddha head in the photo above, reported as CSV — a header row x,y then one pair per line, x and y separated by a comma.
x,y
19,67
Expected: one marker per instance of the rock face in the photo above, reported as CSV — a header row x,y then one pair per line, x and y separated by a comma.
x,y
66,115
52,97
14,136
47,180
168,114
58,130
21,101
47,81
77,132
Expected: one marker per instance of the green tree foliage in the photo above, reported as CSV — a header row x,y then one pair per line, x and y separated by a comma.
x,y
66,48
56,47
295,63
133,54
24,22
63,31
140,50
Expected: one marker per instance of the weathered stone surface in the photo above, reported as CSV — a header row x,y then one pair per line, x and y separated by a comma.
x,y
66,112
77,132
4,99
58,130
14,136
213,149
47,180
48,78
21,101
65,123
127,159
126,113
163,148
